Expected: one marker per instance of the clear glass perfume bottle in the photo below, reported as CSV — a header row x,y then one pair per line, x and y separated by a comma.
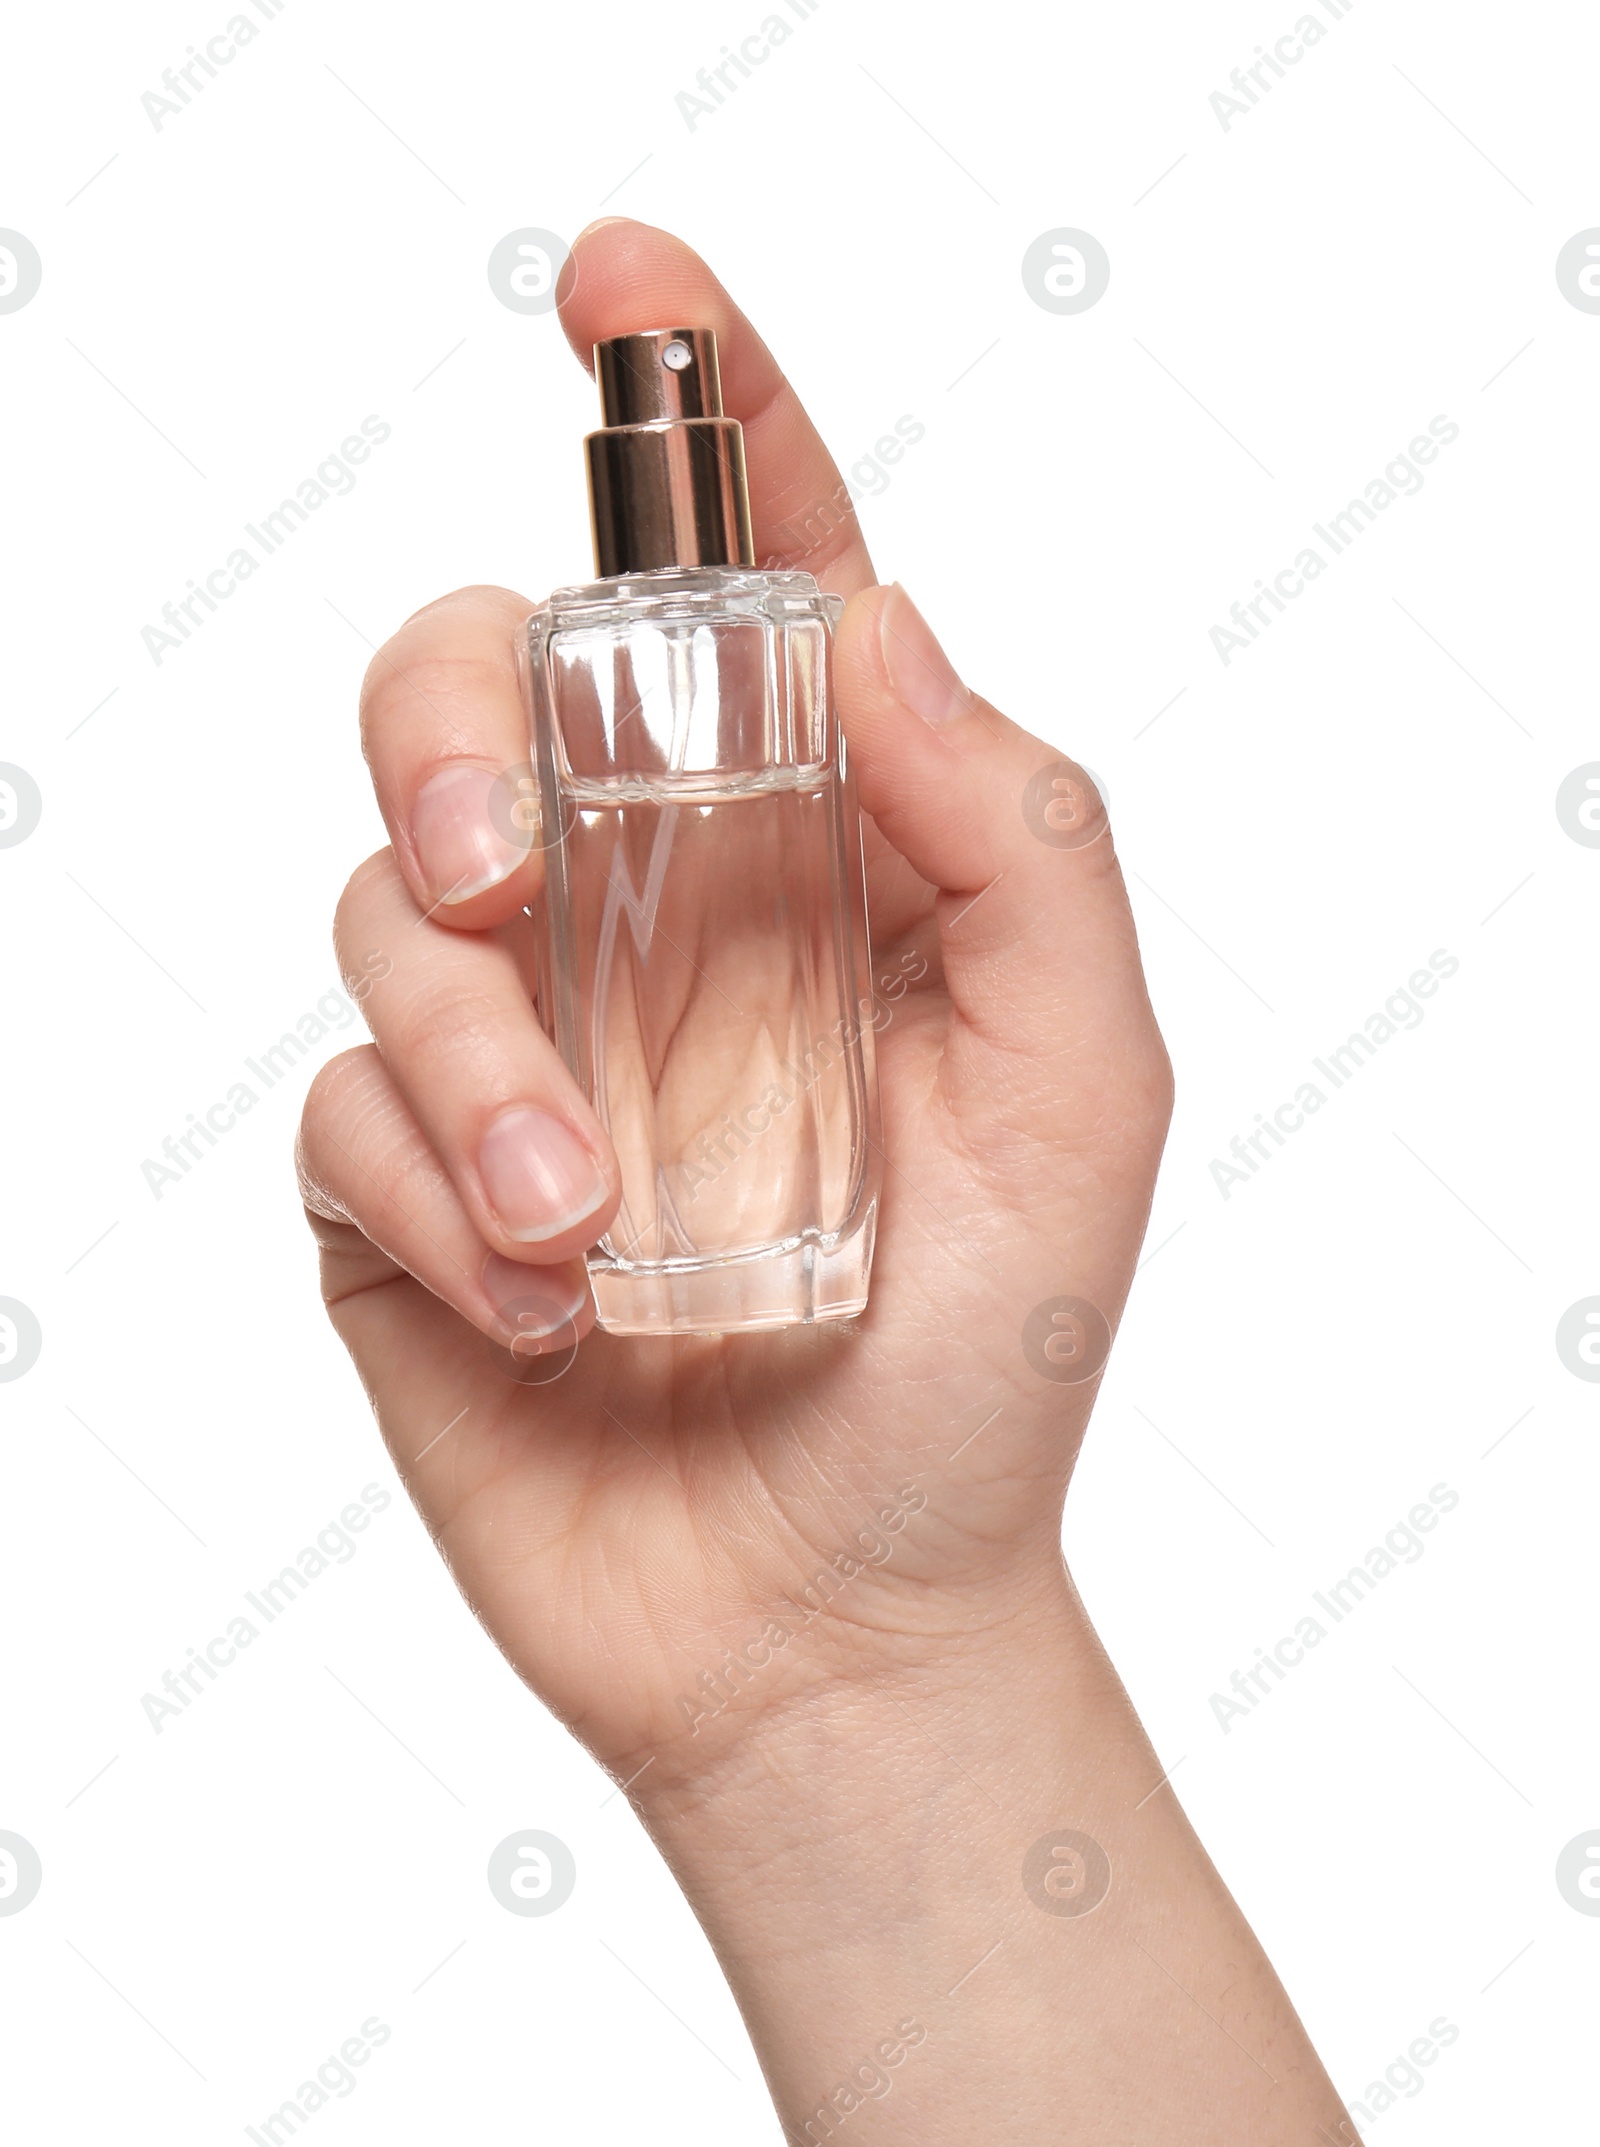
x,y
704,964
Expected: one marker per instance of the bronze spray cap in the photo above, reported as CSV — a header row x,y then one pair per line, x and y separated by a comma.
x,y
667,484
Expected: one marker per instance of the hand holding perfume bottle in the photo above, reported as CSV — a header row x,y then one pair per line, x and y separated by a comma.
x,y
791,1568
637,1063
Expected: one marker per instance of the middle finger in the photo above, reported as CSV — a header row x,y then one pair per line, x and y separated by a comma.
x,y
453,1020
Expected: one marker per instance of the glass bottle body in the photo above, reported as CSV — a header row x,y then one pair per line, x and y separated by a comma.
x,y
704,965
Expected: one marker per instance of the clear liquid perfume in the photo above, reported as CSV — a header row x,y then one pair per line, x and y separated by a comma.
x,y
704,966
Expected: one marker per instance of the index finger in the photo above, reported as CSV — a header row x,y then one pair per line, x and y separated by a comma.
x,y
446,738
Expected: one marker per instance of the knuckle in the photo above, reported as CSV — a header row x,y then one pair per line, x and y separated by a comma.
x,y
366,892
333,1088
437,685
358,1143
1161,1087
479,596
449,655
1136,1099
443,1025
330,1102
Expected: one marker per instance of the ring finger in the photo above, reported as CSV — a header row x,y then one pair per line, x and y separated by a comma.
x,y
369,1174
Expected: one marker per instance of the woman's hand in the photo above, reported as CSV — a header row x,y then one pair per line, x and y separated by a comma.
x,y
768,1578
622,1523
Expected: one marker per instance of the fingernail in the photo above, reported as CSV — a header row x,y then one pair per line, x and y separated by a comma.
x,y
538,1177
535,1304
599,224
919,670
460,849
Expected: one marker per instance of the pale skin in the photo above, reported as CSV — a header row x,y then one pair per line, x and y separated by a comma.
x,y
849,1807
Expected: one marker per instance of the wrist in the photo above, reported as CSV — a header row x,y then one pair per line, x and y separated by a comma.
x,y
830,1701
855,1854
914,1871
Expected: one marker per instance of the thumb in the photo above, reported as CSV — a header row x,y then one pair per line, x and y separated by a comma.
x,y
1039,949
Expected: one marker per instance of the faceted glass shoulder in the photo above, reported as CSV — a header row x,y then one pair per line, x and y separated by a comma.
x,y
700,679
687,593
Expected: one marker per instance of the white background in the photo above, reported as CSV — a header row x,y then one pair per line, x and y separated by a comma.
x,y
1372,780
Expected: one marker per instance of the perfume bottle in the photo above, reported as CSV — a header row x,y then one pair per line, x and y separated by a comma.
x,y
704,966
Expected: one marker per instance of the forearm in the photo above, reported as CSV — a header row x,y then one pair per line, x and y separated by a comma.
x,y
919,1962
